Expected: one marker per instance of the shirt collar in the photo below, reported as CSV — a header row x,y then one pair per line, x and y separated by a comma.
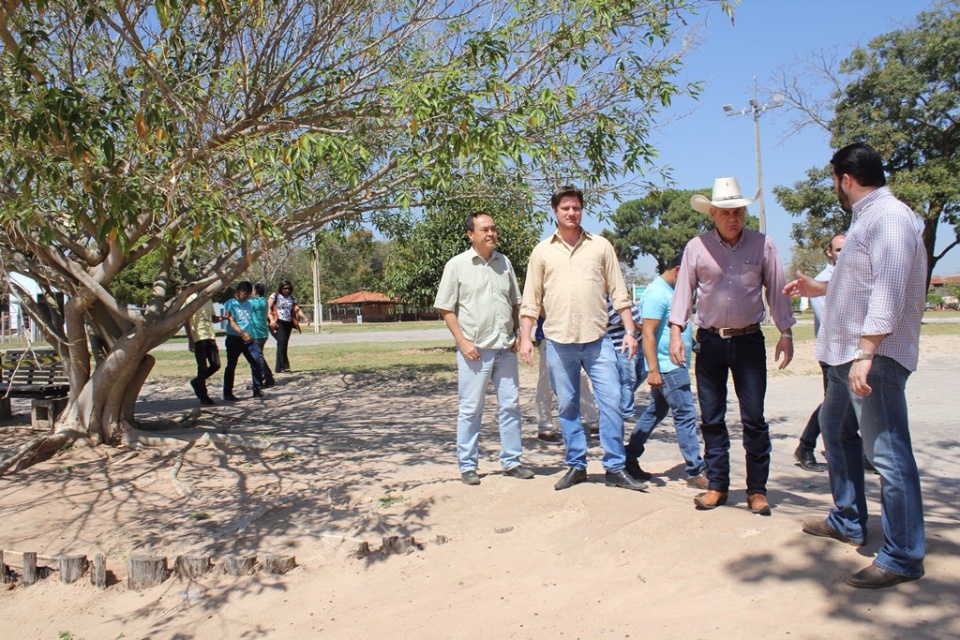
x,y
584,236
476,256
733,247
865,201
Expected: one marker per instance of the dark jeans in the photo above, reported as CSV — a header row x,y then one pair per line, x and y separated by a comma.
x,y
808,439
265,368
744,357
284,329
250,351
208,363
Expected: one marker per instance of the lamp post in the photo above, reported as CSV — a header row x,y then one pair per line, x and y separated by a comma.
x,y
756,109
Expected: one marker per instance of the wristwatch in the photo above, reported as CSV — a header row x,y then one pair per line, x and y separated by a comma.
x,y
633,333
858,355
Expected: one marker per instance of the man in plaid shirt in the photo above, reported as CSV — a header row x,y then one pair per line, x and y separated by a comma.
x,y
870,338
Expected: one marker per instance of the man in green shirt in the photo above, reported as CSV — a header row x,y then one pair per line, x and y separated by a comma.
x,y
479,300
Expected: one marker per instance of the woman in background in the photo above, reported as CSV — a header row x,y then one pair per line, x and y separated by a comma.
x,y
284,316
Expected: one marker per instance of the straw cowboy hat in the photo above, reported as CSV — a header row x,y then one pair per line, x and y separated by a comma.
x,y
726,195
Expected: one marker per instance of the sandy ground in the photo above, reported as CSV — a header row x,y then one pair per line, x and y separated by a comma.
x,y
507,559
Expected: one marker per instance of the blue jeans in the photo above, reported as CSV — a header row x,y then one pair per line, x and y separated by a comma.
x,y
676,396
631,373
500,367
598,359
251,351
877,425
745,357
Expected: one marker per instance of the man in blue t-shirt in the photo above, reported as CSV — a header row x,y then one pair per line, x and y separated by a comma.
x,y
238,314
669,384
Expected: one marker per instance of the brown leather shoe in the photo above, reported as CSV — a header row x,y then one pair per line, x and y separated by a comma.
x,y
821,529
698,481
874,577
758,504
710,500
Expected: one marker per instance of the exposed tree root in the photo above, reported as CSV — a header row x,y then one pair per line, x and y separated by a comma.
x,y
185,421
137,438
240,525
38,449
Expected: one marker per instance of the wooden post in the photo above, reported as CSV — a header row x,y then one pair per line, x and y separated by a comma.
x,y
278,565
98,576
30,574
72,568
396,544
192,566
146,571
239,565
4,575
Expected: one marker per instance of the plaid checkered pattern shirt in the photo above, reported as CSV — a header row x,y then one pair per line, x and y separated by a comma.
x,y
878,285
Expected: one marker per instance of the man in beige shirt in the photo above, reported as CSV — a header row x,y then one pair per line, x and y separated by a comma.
x,y
569,277
479,300
202,341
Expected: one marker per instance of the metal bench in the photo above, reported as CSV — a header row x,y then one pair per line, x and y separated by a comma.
x,y
36,374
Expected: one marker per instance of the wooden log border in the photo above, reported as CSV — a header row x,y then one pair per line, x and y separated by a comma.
x,y
143,570
147,570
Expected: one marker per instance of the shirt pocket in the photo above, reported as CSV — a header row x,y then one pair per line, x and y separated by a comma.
x,y
751,274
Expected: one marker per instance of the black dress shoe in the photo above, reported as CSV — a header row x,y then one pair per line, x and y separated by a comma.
x,y
624,480
574,475
821,529
229,397
808,460
633,468
519,471
873,577
207,401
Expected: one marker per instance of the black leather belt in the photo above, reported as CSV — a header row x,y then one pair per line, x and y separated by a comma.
x,y
729,332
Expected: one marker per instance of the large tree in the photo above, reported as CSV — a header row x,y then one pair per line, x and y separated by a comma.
x,y
659,225
204,133
416,263
900,94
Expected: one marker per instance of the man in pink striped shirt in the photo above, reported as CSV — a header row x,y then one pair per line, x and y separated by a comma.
x,y
729,267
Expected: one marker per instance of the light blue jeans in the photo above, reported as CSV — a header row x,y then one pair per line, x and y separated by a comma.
x,y
500,367
876,425
675,396
631,374
598,359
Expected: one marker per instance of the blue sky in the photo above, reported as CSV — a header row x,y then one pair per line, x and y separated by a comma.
x,y
767,34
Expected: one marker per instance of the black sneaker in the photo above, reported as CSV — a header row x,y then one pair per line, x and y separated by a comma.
x,y
229,397
207,401
258,394
470,477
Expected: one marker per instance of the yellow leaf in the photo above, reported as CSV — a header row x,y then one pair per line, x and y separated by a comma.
x,y
141,125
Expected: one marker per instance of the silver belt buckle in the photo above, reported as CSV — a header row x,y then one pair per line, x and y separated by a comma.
x,y
724,334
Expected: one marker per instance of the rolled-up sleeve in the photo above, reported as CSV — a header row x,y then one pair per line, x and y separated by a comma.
x,y
781,310
682,304
532,300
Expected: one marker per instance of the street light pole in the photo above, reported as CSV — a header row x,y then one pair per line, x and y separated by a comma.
x,y
756,109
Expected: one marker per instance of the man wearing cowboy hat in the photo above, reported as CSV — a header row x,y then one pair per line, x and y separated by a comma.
x,y
729,267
